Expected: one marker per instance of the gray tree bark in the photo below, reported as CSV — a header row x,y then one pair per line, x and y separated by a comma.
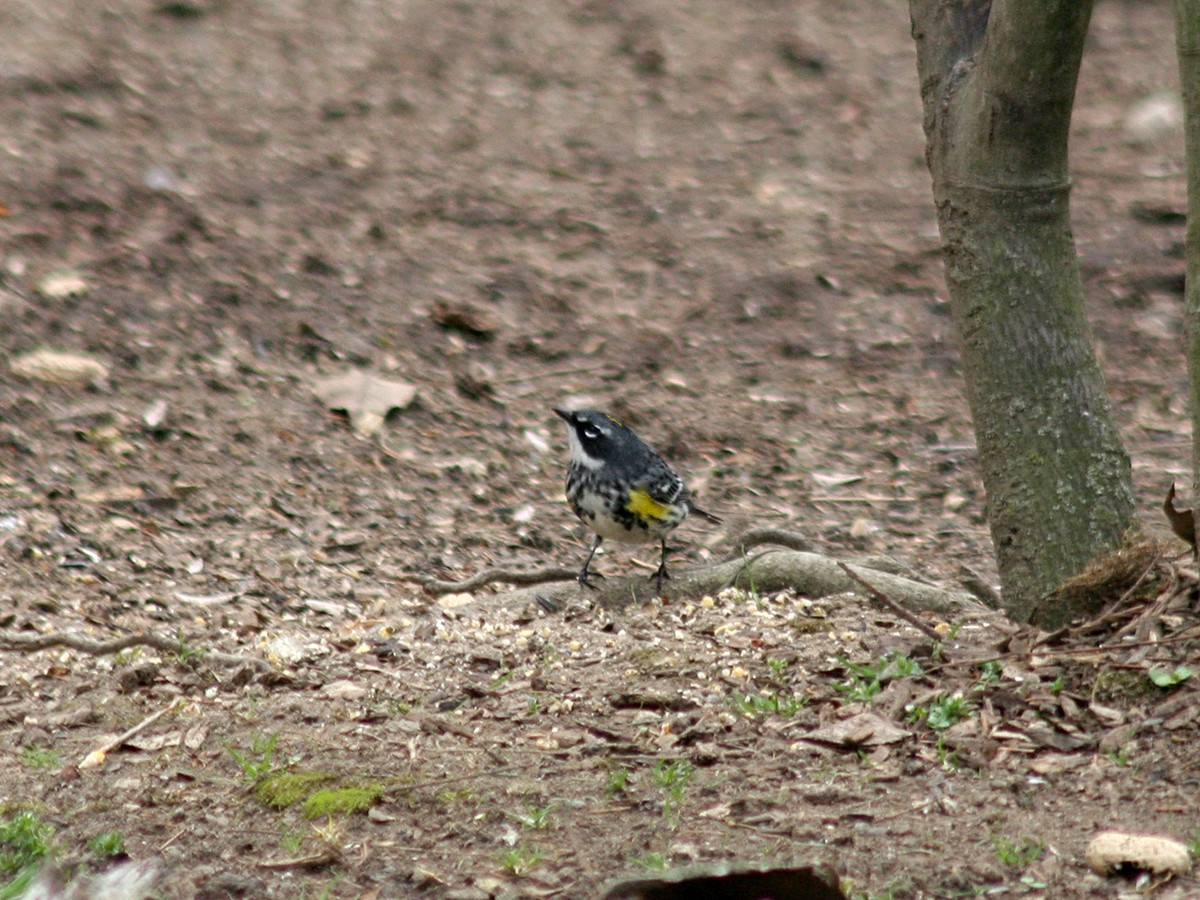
x,y
998,85
1187,45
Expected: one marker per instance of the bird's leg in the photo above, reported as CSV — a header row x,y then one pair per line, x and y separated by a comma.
x,y
583,573
662,574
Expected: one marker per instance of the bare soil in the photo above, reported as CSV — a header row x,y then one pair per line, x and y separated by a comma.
x,y
711,218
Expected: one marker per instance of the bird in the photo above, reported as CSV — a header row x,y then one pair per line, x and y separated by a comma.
x,y
621,489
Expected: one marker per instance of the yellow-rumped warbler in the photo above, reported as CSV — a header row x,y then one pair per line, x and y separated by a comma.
x,y
622,489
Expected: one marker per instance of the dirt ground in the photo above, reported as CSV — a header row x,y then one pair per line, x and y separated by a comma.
x,y
711,218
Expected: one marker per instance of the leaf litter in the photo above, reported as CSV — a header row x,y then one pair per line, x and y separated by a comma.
x,y
506,750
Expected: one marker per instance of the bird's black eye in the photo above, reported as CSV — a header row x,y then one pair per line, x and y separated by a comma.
x,y
590,432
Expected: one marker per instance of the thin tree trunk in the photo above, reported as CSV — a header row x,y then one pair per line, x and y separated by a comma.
x,y
1187,45
998,85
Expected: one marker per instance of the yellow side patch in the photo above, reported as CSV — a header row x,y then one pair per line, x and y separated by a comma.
x,y
642,505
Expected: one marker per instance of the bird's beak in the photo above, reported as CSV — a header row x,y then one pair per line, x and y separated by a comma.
x,y
563,414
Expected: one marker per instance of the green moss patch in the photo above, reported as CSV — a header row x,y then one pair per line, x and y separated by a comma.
x,y
341,801
283,789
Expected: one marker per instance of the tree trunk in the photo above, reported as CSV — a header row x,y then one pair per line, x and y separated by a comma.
x,y
1187,45
998,84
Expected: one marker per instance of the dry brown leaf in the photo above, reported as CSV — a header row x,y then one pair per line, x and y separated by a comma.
x,y
1184,719
464,317
151,742
195,736
1044,735
863,730
719,812
57,367
1056,763
344,689
1107,714
1013,738
365,397
119,493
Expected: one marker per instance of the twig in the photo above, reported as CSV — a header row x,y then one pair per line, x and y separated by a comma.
x,y
96,757
12,641
488,576
1053,653
1181,638
323,857
1141,627
559,373
891,604
172,839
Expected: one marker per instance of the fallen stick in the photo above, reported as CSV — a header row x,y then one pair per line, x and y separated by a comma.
x,y
883,599
96,757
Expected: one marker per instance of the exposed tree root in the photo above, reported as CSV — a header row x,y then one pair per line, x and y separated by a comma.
x,y
493,576
755,537
760,537
27,642
809,574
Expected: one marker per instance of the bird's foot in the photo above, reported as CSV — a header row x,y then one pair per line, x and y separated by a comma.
x,y
660,576
585,578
